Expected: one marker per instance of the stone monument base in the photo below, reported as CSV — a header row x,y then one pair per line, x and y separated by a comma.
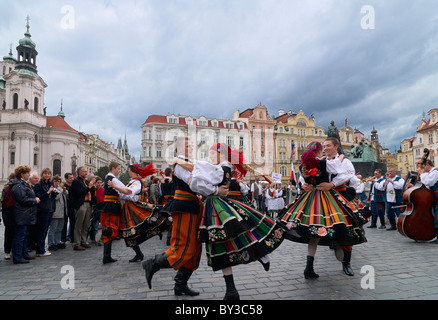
x,y
367,168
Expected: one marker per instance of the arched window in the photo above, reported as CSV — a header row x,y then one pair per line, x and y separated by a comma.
x,y
15,103
56,167
35,104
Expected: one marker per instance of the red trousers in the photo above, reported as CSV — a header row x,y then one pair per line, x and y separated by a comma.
x,y
113,222
185,249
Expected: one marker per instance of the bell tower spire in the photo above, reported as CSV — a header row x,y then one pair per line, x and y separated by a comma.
x,y
26,52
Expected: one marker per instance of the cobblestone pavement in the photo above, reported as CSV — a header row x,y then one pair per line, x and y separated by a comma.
x,y
398,267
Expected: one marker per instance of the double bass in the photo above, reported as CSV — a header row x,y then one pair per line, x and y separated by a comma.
x,y
417,222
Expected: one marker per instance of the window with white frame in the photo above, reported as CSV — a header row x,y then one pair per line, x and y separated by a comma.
x,y
283,171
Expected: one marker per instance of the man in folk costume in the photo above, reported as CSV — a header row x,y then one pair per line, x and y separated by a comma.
x,y
167,191
430,179
394,196
377,198
111,211
166,186
186,210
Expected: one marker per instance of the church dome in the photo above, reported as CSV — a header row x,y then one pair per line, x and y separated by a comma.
x,y
27,41
61,113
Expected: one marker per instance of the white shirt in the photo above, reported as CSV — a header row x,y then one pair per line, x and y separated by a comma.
x,y
377,185
243,188
135,187
278,193
205,177
344,170
254,184
429,178
115,180
360,188
390,188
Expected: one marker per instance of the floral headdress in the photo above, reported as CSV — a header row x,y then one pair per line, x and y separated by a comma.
x,y
143,173
222,149
309,161
238,161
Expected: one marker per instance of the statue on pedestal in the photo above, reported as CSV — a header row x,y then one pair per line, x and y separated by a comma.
x,y
334,132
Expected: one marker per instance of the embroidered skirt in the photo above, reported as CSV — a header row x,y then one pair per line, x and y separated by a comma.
x,y
236,233
140,222
324,215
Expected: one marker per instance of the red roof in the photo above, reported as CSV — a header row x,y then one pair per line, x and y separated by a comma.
x,y
58,123
427,125
283,118
182,121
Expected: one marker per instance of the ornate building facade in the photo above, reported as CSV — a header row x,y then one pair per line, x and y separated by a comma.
x,y
293,129
427,137
159,133
405,157
27,134
261,130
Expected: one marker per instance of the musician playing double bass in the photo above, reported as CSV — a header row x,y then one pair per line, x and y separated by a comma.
x,y
430,180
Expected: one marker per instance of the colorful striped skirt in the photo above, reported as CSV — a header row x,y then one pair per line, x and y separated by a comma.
x,y
140,222
236,233
324,215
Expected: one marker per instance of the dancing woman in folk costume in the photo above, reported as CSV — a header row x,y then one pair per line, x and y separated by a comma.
x,y
140,221
238,189
319,216
233,232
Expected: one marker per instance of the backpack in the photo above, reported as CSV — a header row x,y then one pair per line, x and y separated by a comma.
x,y
8,200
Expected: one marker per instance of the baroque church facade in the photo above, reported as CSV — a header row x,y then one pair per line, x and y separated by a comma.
x,y
28,136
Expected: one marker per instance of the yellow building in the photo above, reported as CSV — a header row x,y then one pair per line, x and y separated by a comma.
x,y
405,157
293,129
390,160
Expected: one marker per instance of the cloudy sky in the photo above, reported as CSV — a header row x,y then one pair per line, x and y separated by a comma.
x,y
116,62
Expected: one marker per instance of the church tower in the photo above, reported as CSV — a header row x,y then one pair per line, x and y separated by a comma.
x,y
374,136
23,99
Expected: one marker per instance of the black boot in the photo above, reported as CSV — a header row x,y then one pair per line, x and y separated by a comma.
x,y
308,272
346,264
153,265
373,222
138,254
382,223
107,232
169,235
107,253
393,224
436,239
231,293
181,278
